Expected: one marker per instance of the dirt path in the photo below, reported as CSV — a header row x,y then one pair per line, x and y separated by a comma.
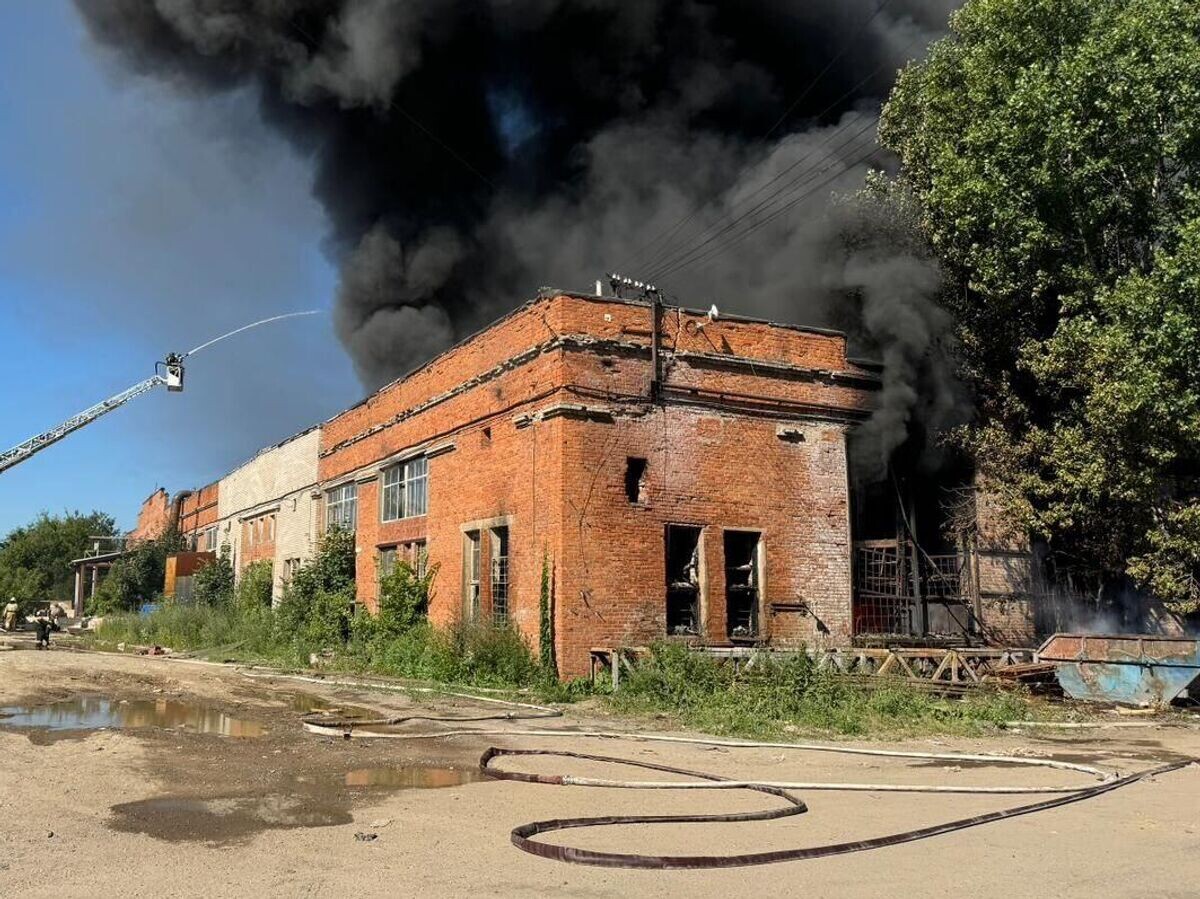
x,y
258,806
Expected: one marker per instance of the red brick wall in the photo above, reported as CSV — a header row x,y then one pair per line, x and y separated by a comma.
x,y
503,414
717,471
1004,569
153,517
257,540
198,510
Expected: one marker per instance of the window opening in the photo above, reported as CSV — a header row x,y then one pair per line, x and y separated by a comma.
x,y
471,574
635,479
741,583
683,579
499,545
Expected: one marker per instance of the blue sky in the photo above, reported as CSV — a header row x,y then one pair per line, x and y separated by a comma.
x,y
133,221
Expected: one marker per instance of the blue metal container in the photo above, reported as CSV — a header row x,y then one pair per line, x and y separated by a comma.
x,y
1138,669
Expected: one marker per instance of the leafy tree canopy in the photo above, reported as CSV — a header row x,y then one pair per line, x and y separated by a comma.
x,y
1053,149
34,559
138,576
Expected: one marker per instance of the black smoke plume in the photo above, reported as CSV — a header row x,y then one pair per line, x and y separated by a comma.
x,y
467,151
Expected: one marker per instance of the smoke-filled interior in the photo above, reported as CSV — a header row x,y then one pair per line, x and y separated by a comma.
x,y
467,152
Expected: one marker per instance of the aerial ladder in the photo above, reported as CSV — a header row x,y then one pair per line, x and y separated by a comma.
x,y
168,372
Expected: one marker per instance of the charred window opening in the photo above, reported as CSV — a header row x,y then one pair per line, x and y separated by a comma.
x,y
683,579
742,583
635,479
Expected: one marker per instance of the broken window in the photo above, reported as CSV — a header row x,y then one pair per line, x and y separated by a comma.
x,y
416,555
742,550
387,561
683,579
471,575
635,479
499,544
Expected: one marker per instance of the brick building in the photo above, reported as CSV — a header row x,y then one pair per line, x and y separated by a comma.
x,y
154,516
692,485
267,510
683,478
198,517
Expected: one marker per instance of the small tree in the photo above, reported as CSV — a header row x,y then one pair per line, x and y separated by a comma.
x,y
34,558
137,576
404,598
546,622
213,583
315,611
255,588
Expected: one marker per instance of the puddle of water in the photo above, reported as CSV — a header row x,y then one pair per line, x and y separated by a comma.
x,y
92,713
412,777
223,820
307,703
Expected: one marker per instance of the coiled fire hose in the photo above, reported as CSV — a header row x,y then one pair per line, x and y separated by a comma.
x,y
524,836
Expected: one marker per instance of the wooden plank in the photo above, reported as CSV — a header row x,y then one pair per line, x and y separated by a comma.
x,y
937,674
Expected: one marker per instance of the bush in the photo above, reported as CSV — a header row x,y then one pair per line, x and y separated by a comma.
x,y
404,598
488,654
255,588
314,614
781,695
136,577
213,583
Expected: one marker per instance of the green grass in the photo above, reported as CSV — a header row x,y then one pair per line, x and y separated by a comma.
x,y
775,699
482,655
778,698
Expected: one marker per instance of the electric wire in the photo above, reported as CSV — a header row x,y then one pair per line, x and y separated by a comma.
x,y
705,256
392,105
670,263
687,217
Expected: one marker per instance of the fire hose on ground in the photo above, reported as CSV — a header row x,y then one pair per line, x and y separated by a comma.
x,y
524,836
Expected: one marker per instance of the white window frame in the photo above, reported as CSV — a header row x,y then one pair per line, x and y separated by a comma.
x,y
341,507
404,490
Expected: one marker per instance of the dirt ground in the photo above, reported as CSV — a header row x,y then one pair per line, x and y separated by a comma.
x,y
157,807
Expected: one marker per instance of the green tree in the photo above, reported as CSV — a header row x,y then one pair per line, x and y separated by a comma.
x,y
546,622
34,558
138,576
1053,148
315,611
404,598
256,586
213,583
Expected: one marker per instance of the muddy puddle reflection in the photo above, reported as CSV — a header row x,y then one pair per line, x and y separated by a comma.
x,y
320,801
412,778
223,820
93,713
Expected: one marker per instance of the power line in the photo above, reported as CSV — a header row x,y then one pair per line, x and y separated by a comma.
x,y
670,252
845,47
671,231
667,260
722,248
672,263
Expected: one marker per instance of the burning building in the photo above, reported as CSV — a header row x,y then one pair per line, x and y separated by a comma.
x,y
674,474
